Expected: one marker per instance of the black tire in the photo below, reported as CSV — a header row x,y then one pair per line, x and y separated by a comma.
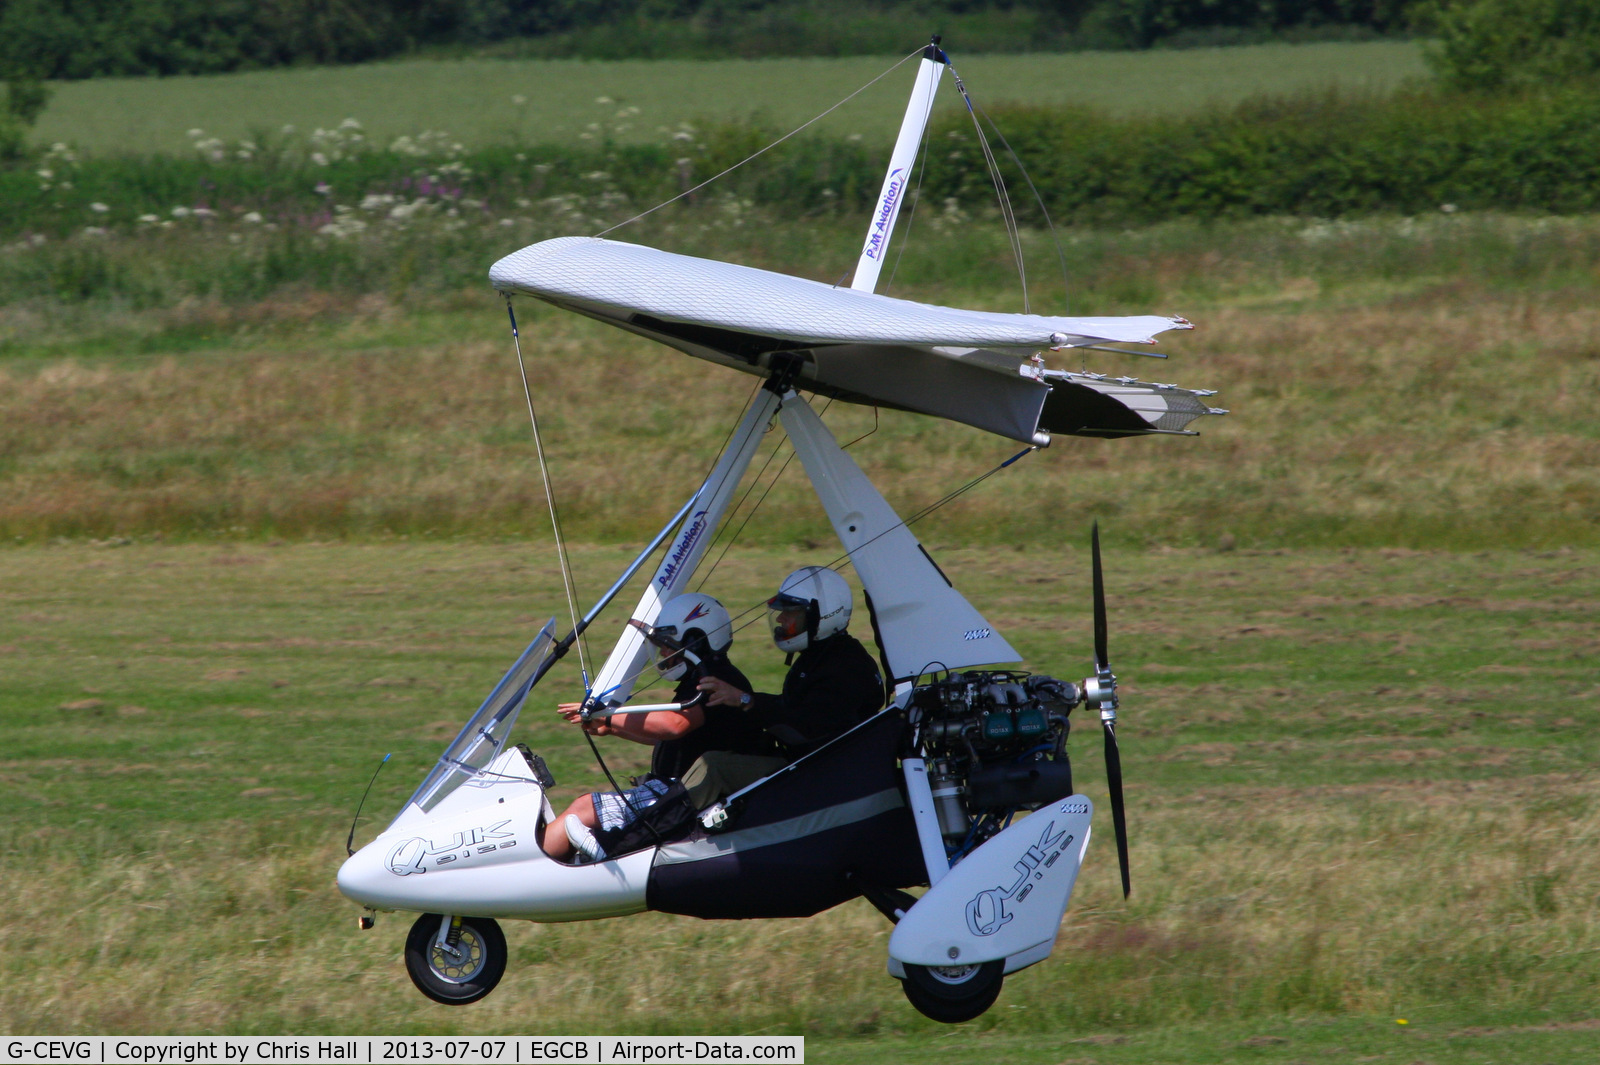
x,y
954,994
451,981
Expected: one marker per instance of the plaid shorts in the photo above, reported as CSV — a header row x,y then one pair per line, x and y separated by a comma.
x,y
615,810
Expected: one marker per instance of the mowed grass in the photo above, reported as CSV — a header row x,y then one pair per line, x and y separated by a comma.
x,y
562,99
1361,787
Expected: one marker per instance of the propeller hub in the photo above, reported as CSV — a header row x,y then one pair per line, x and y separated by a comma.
x,y
1100,692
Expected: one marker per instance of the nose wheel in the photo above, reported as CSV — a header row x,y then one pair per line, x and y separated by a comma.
x,y
953,994
455,960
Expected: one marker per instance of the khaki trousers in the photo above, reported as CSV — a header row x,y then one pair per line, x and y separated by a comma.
x,y
719,773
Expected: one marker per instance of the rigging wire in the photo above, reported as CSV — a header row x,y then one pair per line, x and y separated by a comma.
x,y
995,176
762,151
908,522
550,496
744,619
731,540
1055,238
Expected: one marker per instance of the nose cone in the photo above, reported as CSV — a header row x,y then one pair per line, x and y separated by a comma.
x,y
365,877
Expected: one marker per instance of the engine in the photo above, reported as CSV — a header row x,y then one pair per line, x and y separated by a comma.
x,y
995,742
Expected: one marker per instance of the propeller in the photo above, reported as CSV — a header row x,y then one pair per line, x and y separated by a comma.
x,y
1101,693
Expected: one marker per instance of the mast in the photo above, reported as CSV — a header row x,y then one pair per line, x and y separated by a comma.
x,y
929,70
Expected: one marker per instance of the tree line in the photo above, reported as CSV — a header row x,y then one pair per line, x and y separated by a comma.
x,y
99,38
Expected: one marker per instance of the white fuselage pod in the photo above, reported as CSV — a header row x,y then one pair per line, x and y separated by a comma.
x,y
477,854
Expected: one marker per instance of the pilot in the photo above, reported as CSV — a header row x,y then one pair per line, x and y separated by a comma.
x,y
833,685
701,626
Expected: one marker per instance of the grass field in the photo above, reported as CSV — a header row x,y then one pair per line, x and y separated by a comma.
x,y
1411,383
268,510
476,100
1362,788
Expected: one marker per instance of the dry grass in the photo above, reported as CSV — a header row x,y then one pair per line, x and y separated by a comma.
x,y
1455,418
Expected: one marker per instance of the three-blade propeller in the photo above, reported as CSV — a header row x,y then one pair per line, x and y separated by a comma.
x,y
1102,695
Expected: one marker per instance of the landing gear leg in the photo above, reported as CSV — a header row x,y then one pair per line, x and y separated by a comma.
x,y
455,960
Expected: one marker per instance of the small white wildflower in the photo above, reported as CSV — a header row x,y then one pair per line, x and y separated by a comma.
x,y
603,100
252,218
322,188
518,99
204,212
682,135
319,158
349,123
181,212
1448,208
196,133
98,208
149,219
96,231
45,175
508,221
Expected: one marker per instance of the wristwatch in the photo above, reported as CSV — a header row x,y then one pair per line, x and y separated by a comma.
x,y
745,699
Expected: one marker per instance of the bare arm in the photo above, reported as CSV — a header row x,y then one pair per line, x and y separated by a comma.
x,y
649,729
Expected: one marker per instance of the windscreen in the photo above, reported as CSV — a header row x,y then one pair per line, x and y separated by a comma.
x,y
484,738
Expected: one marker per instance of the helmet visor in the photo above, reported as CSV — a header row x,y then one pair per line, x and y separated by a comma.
x,y
787,621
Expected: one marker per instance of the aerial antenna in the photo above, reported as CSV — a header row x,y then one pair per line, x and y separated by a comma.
x,y
350,840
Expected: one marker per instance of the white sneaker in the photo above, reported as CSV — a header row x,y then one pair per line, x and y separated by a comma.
x,y
579,835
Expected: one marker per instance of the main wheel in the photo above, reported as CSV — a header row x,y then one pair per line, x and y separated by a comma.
x,y
461,977
951,994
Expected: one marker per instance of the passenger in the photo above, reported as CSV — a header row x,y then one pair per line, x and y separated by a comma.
x,y
832,686
699,625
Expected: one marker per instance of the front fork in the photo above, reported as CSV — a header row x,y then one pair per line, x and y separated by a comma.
x,y
449,937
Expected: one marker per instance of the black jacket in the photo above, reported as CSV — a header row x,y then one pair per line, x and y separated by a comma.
x,y
833,685
726,728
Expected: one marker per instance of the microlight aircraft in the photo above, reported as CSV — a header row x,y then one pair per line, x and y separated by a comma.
x,y
922,793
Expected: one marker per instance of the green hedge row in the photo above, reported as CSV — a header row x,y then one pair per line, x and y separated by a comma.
x,y
1325,157
1322,157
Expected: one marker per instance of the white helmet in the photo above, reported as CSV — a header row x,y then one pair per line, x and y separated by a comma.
x,y
693,622
822,594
